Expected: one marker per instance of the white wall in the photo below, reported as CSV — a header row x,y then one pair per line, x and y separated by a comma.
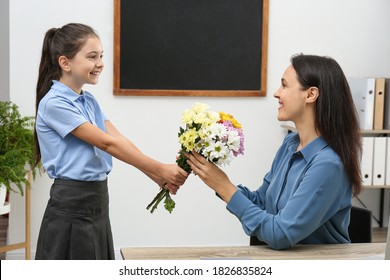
x,y
4,50
353,32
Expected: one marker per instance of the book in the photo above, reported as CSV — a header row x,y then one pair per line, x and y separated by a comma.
x,y
367,160
386,119
379,161
363,94
379,103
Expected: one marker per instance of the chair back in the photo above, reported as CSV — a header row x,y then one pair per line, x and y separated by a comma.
x,y
387,252
360,227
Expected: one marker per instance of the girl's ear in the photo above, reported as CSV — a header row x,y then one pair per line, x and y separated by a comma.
x,y
64,63
312,94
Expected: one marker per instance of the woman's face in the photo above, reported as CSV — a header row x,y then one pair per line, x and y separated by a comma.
x,y
291,97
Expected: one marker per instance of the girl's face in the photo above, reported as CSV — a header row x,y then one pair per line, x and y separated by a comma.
x,y
86,66
291,97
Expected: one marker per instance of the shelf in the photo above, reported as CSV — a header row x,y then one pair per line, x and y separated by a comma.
x,y
363,132
5,208
379,234
378,131
376,187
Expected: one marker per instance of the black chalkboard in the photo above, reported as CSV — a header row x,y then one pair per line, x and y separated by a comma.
x,y
190,47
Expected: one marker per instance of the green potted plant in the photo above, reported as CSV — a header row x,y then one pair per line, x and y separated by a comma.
x,y
16,148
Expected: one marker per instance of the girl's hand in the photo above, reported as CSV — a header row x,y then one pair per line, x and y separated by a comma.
x,y
171,188
162,183
173,175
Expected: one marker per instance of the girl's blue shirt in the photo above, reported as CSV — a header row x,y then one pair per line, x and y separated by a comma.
x,y
305,198
64,155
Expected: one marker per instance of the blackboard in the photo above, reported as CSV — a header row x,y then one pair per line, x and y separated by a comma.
x,y
190,47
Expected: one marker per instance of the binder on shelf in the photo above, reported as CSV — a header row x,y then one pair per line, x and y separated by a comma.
x,y
386,120
363,90
367,160
379,103
387,176
379,161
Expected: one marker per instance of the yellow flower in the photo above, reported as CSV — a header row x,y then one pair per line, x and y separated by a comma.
x,y
199,108
228,117
188,138
200,118
187,116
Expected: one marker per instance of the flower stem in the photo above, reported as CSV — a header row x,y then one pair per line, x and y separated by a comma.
x,y
160,196
169,203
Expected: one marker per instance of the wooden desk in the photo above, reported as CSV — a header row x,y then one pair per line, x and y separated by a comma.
x,y
298,252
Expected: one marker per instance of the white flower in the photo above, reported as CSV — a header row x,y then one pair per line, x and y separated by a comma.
x,y
213,117
233,140
225,160
217,130
217,150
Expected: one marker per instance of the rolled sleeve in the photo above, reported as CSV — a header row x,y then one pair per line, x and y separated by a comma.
x,y
238,204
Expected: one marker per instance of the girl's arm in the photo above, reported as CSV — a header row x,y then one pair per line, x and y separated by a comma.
x,y
117,145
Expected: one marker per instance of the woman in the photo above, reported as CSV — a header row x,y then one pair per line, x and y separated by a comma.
x,y
306,196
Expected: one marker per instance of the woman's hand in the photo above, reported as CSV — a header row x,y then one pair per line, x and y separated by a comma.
x,y
211,175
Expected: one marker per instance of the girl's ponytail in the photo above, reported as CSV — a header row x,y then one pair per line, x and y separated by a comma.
x,y
48,71
48,68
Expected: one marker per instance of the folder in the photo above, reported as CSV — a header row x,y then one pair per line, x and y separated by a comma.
x,y
386,121
387,176
367,160
379,103
362,90
379,161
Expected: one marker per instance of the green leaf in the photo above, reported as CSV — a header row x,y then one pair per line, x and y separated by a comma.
x,y
169,204
17,147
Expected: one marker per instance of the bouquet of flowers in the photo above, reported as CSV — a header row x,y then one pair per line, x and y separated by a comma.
x,y
216,136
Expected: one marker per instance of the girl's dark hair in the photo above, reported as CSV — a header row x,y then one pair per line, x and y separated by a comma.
x,y
336,118
64,41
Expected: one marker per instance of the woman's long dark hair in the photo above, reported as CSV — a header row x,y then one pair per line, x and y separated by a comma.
x,y
336,118
64,41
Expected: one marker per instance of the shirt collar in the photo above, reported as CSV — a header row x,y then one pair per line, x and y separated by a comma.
x,y
311,149
66,91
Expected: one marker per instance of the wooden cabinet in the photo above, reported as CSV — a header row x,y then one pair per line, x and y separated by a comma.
x,y
27,243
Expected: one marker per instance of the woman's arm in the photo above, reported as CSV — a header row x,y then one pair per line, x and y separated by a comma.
x,y
316,200
322,192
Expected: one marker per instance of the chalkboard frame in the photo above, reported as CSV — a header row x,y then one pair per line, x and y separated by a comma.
x,y
169,92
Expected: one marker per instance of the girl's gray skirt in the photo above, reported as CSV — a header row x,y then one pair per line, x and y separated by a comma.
x,y
76,223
